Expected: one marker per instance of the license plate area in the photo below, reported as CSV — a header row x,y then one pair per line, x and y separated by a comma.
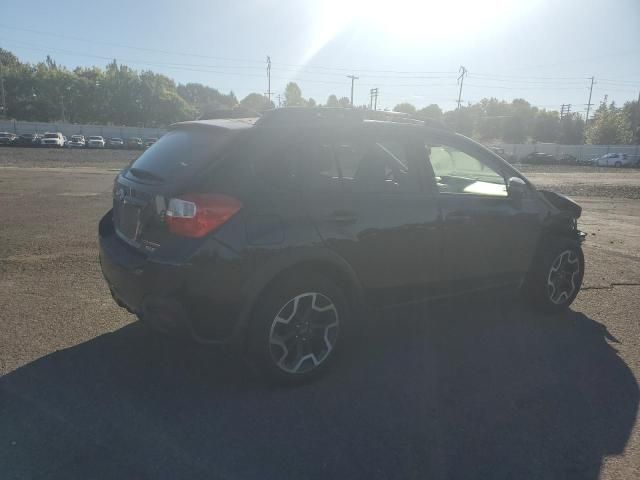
x,y
127,220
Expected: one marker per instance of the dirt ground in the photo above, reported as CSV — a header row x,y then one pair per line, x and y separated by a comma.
x,y
481,390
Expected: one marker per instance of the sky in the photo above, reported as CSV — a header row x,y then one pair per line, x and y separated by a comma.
x,y
544,51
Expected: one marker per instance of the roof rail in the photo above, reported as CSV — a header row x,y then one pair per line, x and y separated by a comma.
x,y
330,115
296,115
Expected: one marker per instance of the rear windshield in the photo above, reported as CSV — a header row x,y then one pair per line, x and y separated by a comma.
x,y
51,135
95,138
180,153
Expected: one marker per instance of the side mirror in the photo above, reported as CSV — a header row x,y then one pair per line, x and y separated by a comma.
x,y
516,188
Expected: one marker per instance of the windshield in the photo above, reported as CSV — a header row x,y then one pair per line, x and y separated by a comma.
x,y
95,138
51,135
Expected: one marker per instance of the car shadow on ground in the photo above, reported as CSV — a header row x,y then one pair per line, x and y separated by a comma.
x,y
446,391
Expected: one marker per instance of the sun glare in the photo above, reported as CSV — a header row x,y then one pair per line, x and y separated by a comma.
x,y
400,22
422,19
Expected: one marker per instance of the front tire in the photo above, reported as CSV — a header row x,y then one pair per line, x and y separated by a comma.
x,y
556,275
296,327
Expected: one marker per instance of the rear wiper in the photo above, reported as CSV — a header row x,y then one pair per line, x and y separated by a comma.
x,y
143,174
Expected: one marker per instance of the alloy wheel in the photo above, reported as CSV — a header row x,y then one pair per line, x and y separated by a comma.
x,y
561,281
304,332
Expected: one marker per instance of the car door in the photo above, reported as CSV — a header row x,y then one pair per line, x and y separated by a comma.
x,y
371,207
489,238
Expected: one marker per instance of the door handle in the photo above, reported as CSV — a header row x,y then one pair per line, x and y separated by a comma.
x,y
343,217
458,218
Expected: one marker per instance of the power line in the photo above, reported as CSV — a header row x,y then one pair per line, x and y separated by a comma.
x,y
230,59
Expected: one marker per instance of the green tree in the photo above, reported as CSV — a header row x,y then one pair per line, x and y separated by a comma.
x,y
571,130
293,96
344,102
632,112
332,101
405,108
462,120
257,102
205,99
610,126
433,112
546,127
311,102
8,59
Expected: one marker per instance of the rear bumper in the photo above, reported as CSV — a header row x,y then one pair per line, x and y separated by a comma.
x,y
177,298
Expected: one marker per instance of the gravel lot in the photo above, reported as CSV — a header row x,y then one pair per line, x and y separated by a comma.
x,y
474,389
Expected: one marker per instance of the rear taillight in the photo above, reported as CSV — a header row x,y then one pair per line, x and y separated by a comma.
x,y
195,215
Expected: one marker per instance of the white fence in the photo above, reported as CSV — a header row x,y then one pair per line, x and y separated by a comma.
x,y
69,129
581,152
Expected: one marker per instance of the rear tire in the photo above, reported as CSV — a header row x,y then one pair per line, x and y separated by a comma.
x,y
556,275
296,328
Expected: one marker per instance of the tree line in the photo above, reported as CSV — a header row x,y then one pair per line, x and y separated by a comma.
x,y
120,95
493,120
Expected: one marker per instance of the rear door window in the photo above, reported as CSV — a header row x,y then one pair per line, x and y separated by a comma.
x,y
365,164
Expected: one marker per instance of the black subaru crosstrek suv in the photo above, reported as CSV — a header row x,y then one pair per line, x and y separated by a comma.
x,y
272,234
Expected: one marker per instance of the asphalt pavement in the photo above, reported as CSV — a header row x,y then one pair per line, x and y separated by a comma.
x,y
480,388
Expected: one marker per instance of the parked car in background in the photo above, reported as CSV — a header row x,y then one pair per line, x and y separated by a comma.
x,y
567,159
539,158
149,141
28,140
52,139
259,234
95,141
115,142
134,143
500,151
7,138
615,160
587,162
77,141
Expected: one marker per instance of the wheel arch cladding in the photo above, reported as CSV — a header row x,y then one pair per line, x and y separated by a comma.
x,y
327,264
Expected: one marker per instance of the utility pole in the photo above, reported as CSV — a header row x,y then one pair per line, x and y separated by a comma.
x,y
463,73
373,101
269,78
565,110
353,78
586,119
279,100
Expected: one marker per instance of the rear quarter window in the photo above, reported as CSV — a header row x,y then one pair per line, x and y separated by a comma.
x,y
257,162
